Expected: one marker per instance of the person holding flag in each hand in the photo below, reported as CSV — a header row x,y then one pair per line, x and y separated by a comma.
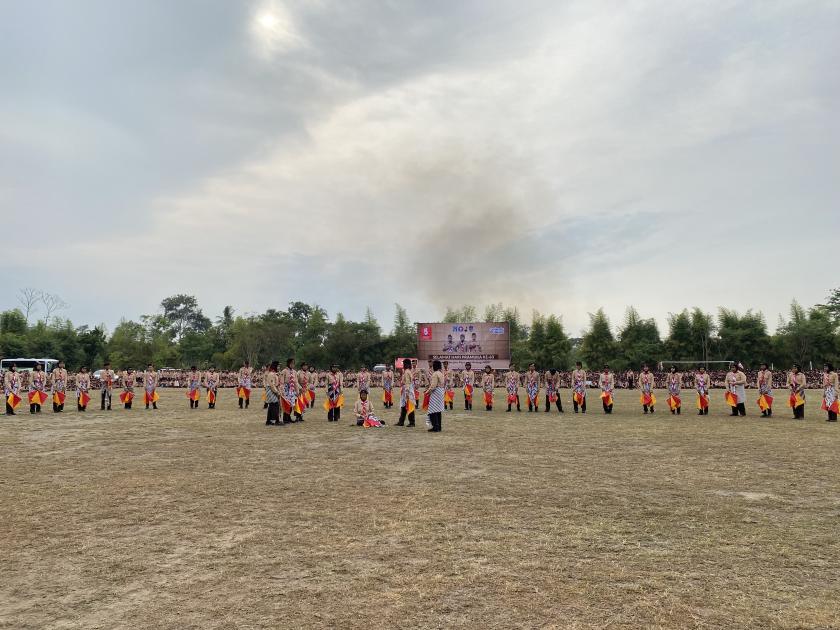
x,y
702,383
83,388
606,381
674,383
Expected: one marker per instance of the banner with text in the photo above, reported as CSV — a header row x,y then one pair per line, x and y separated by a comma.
x,y
479,343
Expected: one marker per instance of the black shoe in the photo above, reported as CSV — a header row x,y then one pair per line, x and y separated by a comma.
x,y
410,424
400,424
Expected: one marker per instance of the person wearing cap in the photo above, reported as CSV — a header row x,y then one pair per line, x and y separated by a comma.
x,y
674,385
107,376
579,388
764,384
271,383
552,387
335,397
244,382
646,385
830,403
796,383
606,381
736,395
702,383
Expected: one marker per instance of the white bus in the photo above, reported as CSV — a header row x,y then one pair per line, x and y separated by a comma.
x,y
26,365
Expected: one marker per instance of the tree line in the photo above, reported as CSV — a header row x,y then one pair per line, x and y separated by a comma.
x,y
180,335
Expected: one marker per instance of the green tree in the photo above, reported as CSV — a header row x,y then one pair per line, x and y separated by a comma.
x,y
598,345
402,342
808,337
128,346
638,341
681,344
558,348
181,314
13,321
742,337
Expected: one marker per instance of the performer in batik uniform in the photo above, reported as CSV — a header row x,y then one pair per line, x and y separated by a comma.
x,y
830,403
289,393
512,384
127,393
435,393
37,388
796,383
363,380
388,388
415,372
606,381
11,389
107,376
552,394
193,382
532,387
365,416
211,384
335,397
150,383
448,387
579,388
303,389
58,377
468,379
313,383
736,394
407,396
271,383
488,384
646,385
244,382
764,383
673,383
82,389
702,383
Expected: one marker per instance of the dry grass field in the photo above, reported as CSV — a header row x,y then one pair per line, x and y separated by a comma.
x,y
209,519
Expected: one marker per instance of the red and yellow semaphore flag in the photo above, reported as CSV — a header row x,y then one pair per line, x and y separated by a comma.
x,y
834,407
84,399
511,398
58,398
150,398
605,396
243,392
468,392
702,401
126,397
796,400
488,398
13,400
731,399
674,402
37,397
578,398
765,401
337,404
211,396
387,397
193,395
426,398
647,399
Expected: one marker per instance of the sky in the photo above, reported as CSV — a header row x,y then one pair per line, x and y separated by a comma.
x,y
557,156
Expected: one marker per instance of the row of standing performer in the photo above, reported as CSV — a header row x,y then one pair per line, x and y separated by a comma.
x,y
293,390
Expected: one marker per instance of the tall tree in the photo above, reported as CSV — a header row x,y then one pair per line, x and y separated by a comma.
x,y
742,337
639,340
680,344
598,345
809,336
28,299
558,348
181,314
